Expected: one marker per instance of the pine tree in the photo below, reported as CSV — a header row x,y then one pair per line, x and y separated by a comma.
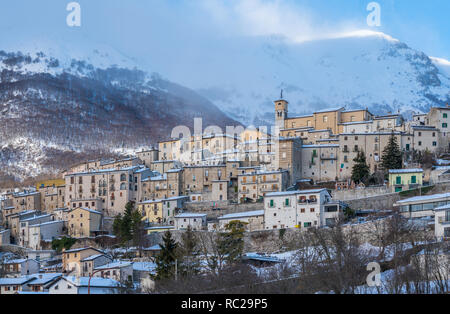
x,y
392,155
231,243
165,261
126,226
190,252
360,170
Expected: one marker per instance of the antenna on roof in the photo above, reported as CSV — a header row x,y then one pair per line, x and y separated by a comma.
x,y
281,94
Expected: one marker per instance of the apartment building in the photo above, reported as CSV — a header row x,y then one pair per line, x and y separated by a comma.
x,y
300,209
320,162
148,156
199,179
114,187
161,211
44,232
254,185
159,186
84,222
24,231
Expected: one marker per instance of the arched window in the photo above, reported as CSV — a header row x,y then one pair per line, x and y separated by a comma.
x,y
123,186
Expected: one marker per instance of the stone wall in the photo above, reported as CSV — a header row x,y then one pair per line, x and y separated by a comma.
x,y
344,195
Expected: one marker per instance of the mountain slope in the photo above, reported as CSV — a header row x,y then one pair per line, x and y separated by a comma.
x,y
358,70
55,111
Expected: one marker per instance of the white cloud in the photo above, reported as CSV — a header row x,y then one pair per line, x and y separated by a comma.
x,y
274,17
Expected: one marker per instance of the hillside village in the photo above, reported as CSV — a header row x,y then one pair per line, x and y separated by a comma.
x,y
371,177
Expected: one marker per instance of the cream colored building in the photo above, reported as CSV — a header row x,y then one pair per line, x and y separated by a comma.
x,y
82,262
84,222
255,185
254,220
114,187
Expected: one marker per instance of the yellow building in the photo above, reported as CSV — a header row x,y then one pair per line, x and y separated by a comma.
x,y
50,183
405,179
83,222
152,211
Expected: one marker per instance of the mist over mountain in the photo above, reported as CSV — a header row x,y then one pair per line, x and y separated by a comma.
x,y
357,70
55,110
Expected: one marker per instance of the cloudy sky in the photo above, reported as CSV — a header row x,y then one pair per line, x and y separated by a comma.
x,y
158,33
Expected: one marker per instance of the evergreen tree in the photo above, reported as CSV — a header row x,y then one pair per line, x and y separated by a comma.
x,y
392,155
127,226
190,252
165,261
361,170
231,242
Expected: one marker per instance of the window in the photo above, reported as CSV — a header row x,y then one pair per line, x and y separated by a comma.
x,y
444,125
325,119
398,180
434,144
313,210
413,179
445,116
286,202
271,203
420,143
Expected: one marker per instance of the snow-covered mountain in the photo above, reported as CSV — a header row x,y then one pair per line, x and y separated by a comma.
x,y
355,70
56,110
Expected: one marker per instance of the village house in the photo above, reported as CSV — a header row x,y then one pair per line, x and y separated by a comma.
x,y
20,267
442,221
254,186
300,209
197,222
162,211
24,234
119,271
254,220
5,237
14,285
82,285
81,262
84,222
44,232
422,206
405,179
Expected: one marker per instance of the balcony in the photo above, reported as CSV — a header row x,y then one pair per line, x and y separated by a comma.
x,y
328,158
244,192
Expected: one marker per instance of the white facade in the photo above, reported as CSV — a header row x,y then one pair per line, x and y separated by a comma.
x,y
442,222
46,231
300,209
195,221
79,285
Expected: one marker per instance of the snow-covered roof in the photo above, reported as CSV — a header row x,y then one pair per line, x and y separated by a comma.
x,y
190,215
47,223
425,198
88,210
117,264
405,170
15,281
42,279
243,215
144,266
95,282
93,257
315,191
441,208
